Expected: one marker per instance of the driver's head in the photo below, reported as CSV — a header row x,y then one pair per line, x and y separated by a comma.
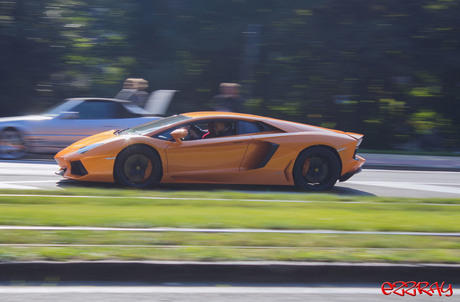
x,y
219,127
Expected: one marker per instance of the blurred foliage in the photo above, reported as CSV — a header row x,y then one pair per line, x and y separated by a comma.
x,y
386,68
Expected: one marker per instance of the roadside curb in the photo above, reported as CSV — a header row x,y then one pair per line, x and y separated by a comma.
x,y
226,272
409,168
411,162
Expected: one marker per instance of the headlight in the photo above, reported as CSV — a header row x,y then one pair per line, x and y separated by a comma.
x,y
87,148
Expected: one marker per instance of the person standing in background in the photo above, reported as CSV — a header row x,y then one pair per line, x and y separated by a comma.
x,y
134,91
229,98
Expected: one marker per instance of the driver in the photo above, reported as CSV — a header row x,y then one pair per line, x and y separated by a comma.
x,y
218,129
195,132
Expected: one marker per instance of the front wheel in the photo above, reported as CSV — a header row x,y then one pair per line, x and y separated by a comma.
x,y
138,166
12,144
316,169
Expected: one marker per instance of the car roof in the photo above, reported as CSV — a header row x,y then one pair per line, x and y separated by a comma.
x,y
219,114
281,124
287,126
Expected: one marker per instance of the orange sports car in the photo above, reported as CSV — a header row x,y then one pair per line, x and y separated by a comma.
x,y
215,147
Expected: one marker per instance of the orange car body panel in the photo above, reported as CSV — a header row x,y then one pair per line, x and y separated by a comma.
x,y
237,159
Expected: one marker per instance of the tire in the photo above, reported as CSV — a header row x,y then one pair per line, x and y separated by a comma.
x,y
12,144
138,166
316,169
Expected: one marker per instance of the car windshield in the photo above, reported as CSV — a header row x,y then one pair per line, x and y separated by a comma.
x,y
149,127
62,107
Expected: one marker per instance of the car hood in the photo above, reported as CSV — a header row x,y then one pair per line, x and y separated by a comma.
x,y
24,118
99,138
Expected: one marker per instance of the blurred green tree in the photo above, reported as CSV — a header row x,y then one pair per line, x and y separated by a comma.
x,y
370,66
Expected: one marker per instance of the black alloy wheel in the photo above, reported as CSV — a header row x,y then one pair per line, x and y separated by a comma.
x,y
316,169
138,166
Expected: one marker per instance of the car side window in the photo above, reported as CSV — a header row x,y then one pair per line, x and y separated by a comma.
x,y
166,135
203,129
96,110
246,127
200,129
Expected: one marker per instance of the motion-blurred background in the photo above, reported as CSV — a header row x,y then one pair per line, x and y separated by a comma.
x,y
387,68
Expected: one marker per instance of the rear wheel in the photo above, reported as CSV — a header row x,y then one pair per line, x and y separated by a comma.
x,y
316,169
138,166
12,144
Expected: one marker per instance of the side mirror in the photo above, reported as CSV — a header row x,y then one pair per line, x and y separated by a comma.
x,y
69,115
179,134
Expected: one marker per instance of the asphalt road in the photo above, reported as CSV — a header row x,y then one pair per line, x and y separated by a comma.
x,y
36,174
203,293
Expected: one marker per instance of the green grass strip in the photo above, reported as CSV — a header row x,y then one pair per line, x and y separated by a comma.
x,y
225,210
227,254
101,245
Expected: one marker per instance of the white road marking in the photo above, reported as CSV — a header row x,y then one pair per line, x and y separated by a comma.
x,y
19,187
27,169
239,247
223,230
27,181
19,184
407,171
410,186
186,290
227,199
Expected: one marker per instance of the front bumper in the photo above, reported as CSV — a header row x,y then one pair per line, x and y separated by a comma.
x,y
87,168
353,167
347,176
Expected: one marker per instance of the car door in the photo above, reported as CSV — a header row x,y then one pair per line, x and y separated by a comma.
x,y
215,159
